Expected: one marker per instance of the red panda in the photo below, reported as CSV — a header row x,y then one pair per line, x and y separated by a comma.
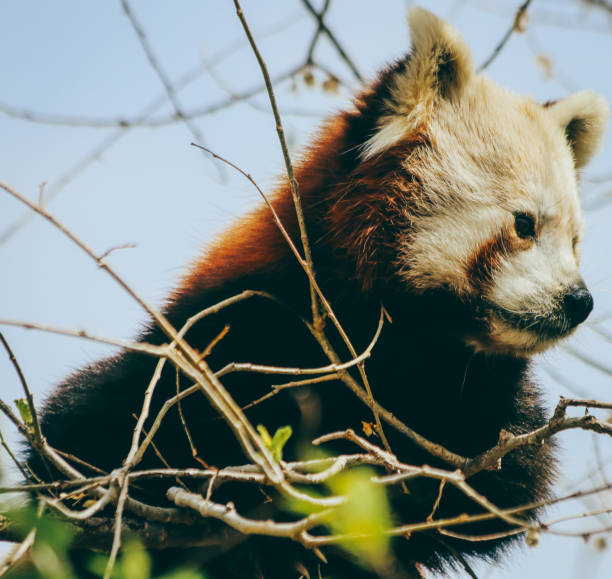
x,y
448,200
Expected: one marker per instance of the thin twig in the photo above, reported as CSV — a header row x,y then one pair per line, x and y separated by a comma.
x,y
141,347
18,552
276,389
13,458
479,538
320,16
117,247
333,39
24,385
81,462
105,499
21,427
582,515
110,564
516,25
160,456
558,423
163,323
192,446
58,485
143,119
437,501
227,514
603,4
294,371
163,77
211,345
293,184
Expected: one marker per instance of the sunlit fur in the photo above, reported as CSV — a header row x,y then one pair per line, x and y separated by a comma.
x,y
410,199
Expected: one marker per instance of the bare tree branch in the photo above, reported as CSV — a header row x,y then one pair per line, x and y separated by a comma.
x,y
124,125
558,423
603,4
517,25
163,77
24,385
332,38
320,16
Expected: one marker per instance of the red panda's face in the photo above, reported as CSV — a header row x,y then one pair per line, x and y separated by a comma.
x,y
497,219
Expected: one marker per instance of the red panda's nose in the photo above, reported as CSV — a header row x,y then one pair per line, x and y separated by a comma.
x,y
578,303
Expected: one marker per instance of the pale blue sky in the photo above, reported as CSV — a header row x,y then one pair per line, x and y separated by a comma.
x,y
151,188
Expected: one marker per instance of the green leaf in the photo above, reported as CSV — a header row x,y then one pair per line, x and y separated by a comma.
x,y
364,518
275,443
184,574
265,435
281,436
135,562
97,564
24,411
56,532
49,556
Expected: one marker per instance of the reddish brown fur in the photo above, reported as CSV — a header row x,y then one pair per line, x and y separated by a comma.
x,y
487,258
360,214
254,241
366,212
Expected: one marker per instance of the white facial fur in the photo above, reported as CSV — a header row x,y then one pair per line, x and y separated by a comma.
x,y
490,155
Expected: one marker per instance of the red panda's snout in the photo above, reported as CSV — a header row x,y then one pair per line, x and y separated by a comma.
x,y
577,303
527,331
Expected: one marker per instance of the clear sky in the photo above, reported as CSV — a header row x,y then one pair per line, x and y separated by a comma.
x,y
149,187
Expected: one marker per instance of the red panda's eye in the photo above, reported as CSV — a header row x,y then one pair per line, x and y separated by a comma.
x,y
524,225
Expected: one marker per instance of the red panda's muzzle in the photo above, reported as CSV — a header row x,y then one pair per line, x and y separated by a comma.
x,y
526,330
578,303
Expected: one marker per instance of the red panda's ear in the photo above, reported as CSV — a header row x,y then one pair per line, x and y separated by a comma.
x,y
439,67
440,62
583,117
